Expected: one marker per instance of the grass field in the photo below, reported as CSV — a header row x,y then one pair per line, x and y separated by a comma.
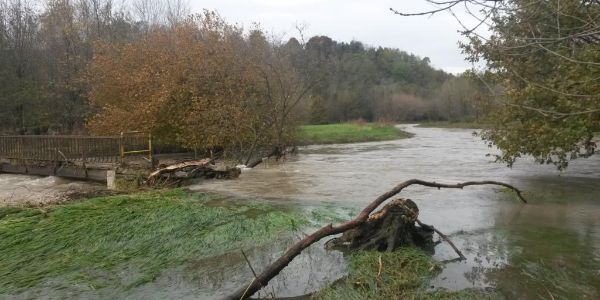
x,y
349,133
90,242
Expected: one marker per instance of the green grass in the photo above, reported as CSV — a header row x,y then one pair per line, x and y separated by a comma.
x,y
142,234
446,124
349,133
402,274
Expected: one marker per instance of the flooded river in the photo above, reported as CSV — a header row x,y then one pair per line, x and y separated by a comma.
x,y
550,246
25,190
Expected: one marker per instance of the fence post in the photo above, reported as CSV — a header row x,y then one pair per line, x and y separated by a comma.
x,y
150,150
121,148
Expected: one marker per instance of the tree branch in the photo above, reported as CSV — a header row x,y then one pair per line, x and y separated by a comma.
x,y
328,230
445,238
449,5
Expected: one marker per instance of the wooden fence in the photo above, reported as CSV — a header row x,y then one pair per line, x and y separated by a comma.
x,y
98,149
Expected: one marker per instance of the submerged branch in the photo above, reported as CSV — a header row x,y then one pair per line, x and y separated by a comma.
x,y
329,230
445,238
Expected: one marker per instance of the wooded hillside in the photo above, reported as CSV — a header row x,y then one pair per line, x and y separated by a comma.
x,y
66,63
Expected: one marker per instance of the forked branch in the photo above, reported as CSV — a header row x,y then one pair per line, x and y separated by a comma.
x,y
328,230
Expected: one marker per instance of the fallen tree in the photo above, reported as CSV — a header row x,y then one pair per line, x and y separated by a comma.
x,y
261,280
277,152
191,169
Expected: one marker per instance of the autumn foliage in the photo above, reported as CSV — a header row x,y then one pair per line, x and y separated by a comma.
x,y
201,84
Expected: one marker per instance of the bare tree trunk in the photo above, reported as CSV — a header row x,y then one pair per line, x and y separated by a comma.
x,y
260,159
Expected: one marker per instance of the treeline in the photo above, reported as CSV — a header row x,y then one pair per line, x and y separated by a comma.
x,y
360,82
46,48
89,65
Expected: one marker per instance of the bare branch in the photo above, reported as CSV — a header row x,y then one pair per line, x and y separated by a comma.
x,y
328,230
444,237
430,12
568,58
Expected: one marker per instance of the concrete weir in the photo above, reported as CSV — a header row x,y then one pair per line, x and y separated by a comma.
x,y
91,172
110,174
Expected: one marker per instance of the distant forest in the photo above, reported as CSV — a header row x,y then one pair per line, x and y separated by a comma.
x,y
62,65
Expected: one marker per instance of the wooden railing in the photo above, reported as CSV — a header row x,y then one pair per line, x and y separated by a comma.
x,y
100,149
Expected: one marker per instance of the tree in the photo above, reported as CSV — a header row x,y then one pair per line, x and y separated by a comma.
x,y
176,83
456,99
542,69
19,93
45,49
66,42
201,84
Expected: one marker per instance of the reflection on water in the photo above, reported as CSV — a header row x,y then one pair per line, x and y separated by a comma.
x,y
548,248
210,278
218,276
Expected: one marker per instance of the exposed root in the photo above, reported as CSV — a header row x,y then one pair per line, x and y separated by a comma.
x,y
386,230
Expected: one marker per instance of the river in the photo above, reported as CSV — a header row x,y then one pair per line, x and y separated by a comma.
x,y
549,248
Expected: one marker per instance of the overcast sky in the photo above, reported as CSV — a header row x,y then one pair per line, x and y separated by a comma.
x,y
368,21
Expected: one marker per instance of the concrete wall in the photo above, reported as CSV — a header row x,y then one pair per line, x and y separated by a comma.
x,y
61,171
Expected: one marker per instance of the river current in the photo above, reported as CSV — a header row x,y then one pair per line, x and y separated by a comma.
x,y
549,248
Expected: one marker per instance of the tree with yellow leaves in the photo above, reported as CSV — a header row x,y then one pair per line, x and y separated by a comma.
x,y
202,84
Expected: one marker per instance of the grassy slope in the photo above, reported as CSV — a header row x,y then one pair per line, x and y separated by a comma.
x,y
349,133
142,233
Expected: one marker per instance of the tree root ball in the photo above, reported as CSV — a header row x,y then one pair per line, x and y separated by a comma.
x,y
392,227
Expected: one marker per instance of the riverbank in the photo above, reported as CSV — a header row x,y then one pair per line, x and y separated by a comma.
x,y
94,242
349,133
446,124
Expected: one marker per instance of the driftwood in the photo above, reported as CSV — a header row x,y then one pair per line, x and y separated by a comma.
x,y
444,237
191,169
272,270
276,152
257,161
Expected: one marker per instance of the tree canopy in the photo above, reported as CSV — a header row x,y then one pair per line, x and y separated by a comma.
x,y
201,83
541,71
546,57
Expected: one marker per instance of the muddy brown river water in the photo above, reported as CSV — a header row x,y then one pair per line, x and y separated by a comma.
x,y
549,246
547,249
